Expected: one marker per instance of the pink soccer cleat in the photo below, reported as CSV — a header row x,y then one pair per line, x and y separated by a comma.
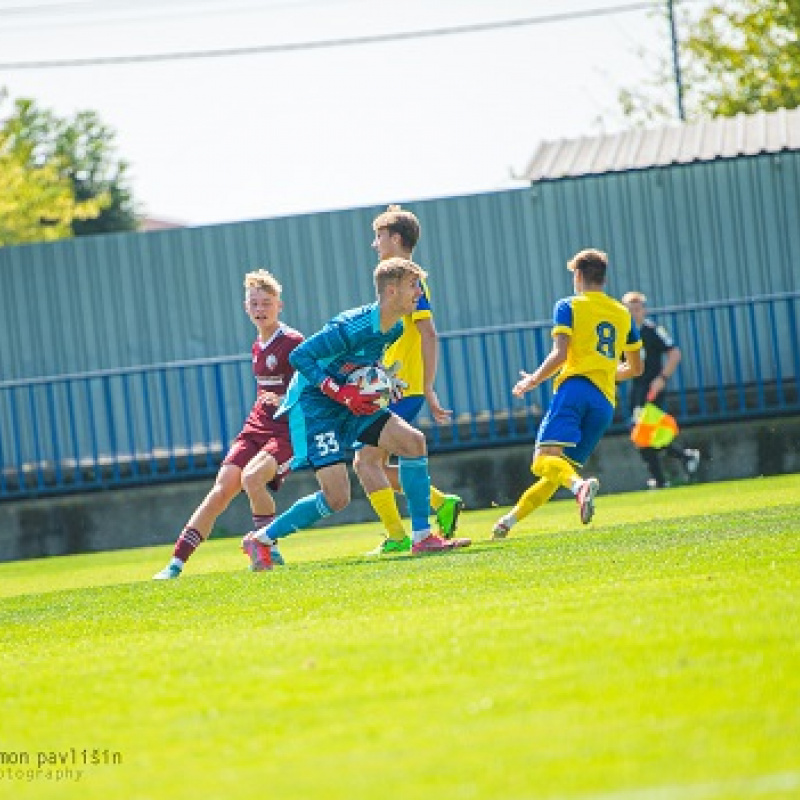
x,y
259,553
436,544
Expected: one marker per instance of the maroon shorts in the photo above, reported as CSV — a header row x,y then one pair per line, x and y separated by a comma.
x,y
246,447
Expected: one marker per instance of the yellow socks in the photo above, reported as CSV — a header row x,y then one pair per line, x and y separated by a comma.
x,y
556,470
437,498
552,472
533,498
385,506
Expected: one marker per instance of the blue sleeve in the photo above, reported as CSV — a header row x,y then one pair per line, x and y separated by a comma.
x,y
562,314
424,302
309,357
634,335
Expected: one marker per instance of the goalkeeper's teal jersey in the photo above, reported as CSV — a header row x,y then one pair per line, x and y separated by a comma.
x,y
350,340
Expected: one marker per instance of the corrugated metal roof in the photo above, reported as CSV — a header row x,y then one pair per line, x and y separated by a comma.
x,y
723,137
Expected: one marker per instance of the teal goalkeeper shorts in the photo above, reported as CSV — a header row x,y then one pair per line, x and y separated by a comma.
x,y
324,432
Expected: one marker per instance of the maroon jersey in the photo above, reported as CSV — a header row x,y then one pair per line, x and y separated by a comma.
x,y
272,372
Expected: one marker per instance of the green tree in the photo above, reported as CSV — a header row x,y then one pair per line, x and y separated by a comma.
x,y
80,151
86,147
37,203
736,56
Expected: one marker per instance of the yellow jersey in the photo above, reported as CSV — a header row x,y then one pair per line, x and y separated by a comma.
x,y
600,330
408,348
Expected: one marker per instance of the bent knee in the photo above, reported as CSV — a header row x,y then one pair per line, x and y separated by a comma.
x,y
222,494
256,481
259,471
360,461
368,458
414,446
337,500
420,445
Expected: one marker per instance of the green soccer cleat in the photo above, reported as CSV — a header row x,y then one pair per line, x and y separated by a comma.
x,y
447,515
389,546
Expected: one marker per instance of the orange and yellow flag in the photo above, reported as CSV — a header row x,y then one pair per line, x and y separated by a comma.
x,y
654,427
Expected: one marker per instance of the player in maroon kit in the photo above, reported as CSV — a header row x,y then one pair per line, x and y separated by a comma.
x,y
261,454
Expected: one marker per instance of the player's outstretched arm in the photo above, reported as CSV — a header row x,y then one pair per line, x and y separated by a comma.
x,y
549,367
429,340
438,411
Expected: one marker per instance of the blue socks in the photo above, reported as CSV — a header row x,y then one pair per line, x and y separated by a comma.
x,y
416,483
414,479
303,514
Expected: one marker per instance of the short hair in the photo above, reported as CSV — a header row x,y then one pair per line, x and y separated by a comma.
x,y
634,297
262,279
403,223
592,264
393,270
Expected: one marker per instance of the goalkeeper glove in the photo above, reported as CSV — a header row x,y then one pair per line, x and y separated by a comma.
x,y
359,404
398,384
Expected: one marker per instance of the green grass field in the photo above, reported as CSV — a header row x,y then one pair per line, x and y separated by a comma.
x,y
653,655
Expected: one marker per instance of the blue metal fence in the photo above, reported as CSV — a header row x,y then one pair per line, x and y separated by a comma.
x,y
168,422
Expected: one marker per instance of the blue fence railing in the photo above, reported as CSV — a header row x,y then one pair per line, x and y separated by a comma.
x,y
169,422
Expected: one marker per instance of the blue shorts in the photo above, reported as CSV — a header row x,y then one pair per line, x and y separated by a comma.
x,y
578,416
408,407
323,431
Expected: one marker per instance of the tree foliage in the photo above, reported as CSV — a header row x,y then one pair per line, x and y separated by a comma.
x,y
60,177
736,56
85,145
37,203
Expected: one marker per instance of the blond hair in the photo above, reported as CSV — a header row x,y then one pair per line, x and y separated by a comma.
x,y
634,297
263,279
393,270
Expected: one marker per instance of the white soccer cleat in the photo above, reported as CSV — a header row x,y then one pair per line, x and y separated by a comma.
x,y
170,572
585,497
692,461
500,530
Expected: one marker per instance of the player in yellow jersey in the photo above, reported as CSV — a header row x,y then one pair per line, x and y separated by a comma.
x,y
397,232
591,332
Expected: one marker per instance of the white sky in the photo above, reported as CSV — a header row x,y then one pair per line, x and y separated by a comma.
x,y
225,139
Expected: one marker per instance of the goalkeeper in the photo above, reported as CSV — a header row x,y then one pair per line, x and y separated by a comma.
x,y
327,416
397,232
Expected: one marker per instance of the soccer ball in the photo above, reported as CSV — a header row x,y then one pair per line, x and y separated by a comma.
x,y
373,379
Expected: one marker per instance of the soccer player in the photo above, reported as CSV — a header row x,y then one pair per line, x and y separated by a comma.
x,y
397,232
261,454
591,332
650,387
327,416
